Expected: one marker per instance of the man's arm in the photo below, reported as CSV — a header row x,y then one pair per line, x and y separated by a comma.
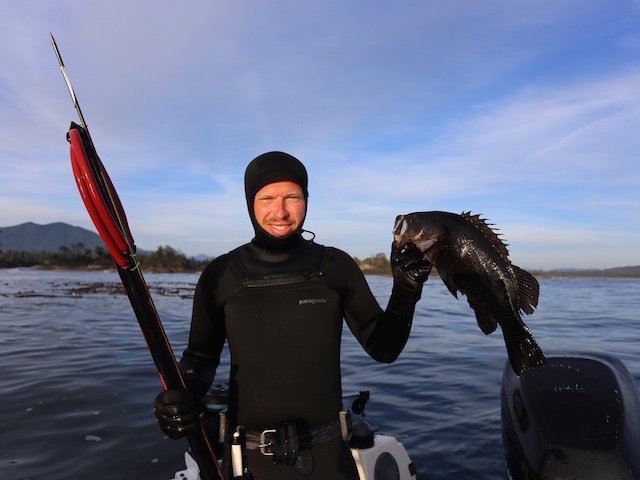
x,y
382,333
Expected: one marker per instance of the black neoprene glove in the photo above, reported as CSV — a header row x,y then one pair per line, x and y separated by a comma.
x,y
409,267
177,411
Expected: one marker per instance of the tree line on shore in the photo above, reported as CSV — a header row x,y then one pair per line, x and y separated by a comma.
x,y
168,259
163,259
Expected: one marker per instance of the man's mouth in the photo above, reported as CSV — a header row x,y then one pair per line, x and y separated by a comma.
x,y
280,228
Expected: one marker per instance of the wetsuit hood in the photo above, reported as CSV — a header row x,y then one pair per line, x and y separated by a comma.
x,y
268,168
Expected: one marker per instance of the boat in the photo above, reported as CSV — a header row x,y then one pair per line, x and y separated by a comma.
x,y
387,459
377,456
578,417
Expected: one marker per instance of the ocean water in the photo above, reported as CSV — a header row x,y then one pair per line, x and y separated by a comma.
x,y
77,381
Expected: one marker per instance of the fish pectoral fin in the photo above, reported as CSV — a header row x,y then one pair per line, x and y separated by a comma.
x,y
485,318
452,287
528,290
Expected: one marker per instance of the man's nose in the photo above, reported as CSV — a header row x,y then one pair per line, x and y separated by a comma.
x,y
281,208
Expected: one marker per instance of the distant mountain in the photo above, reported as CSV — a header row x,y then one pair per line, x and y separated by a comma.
x,y
617,272
32,237
623,271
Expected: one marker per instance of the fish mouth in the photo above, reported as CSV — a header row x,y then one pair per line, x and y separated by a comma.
x,y
399,229
400,237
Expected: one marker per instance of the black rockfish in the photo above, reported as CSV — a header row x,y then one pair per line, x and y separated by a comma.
x,y
472,259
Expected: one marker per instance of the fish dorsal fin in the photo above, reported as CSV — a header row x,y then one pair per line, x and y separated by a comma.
x,y
488,232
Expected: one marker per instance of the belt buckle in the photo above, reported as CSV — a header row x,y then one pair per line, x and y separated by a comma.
x,y
264,445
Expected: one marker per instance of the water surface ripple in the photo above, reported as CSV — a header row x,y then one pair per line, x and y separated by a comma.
x,y
78,382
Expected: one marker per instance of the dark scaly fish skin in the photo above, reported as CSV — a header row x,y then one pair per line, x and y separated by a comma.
x,y
471,259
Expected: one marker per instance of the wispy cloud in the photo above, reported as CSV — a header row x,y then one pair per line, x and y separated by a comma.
x,y
524,111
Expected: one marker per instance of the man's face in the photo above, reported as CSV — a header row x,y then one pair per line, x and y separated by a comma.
x,y
279,208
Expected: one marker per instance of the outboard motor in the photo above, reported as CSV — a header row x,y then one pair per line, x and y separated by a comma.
x,y
578,417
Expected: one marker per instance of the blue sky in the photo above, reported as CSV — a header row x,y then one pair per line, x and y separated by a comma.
x,y
527,112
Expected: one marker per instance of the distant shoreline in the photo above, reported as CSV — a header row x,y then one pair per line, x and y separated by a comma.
x,y
583,274
379,265
613,273
365,266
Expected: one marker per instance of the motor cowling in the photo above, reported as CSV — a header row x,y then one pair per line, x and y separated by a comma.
x,y
578,417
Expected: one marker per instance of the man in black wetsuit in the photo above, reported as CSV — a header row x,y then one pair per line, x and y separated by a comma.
x,y
279,301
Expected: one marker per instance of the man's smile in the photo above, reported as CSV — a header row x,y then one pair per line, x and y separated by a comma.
x,y
280,228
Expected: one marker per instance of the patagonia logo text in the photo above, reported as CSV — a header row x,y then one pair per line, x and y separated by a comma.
x,y
312,301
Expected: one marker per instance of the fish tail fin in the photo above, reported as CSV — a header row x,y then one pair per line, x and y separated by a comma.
x,y
523,350
528,290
